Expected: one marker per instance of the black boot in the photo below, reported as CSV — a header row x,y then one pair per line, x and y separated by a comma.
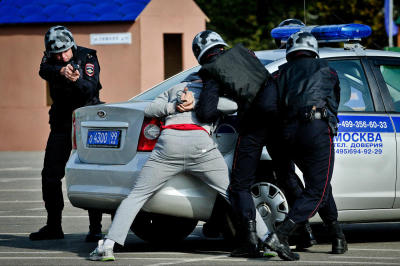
x,y
47,233
304,238
279,241
250,247
52,230
339,244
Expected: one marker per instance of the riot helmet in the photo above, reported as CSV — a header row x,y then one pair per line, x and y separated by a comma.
x,y
58,39
291,22
288,23
302,41
205,40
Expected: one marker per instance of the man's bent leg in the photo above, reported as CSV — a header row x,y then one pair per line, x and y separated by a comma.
x,y
153,175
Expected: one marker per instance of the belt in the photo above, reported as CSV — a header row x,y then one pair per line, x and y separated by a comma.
x,y
318,113
184,127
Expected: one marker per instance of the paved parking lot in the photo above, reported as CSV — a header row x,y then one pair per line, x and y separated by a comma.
x,y
22,212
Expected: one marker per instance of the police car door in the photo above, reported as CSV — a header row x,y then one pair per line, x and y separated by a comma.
x,y
387,73
365,147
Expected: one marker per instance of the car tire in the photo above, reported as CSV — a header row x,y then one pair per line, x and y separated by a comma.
x,y
159,228
271,203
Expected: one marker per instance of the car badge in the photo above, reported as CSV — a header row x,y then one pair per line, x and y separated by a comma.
x,y
101,113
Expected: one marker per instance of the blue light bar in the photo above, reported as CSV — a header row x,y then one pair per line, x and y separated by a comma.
x,y
326,33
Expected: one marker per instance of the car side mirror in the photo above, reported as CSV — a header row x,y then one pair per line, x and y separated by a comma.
x,y
227,106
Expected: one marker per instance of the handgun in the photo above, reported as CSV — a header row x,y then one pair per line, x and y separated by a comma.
x,y
75,66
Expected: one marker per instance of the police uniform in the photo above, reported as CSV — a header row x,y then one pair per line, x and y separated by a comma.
x,y
308,136
308,100
247,83
66,96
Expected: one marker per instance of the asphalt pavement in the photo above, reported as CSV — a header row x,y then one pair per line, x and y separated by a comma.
x,y
22,211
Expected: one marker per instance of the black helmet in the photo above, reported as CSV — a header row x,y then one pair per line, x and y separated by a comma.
x,y
291,22
302,41
288,22
58,39
205,40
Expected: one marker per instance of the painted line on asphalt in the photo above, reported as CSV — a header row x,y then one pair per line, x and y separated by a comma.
x,y
355,257
81,258
310,262
31,252
41,216
14,179
25,190
375,249
20,169
190,260
26,201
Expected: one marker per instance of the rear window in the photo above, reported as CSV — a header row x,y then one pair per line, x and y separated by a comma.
x,y
152,93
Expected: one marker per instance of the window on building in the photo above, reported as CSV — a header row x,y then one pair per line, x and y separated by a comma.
x,y
172,54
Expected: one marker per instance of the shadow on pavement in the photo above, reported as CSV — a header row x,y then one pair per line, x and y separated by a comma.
x,y
362,233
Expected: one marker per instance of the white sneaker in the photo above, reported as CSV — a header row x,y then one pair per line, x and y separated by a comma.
x,y
102,253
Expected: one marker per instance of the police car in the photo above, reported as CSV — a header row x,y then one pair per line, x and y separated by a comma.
x,y
113,141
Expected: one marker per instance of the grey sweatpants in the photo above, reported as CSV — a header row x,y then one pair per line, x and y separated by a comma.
x,y
176,151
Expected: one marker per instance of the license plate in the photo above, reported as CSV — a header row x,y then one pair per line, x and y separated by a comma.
x,y
104,138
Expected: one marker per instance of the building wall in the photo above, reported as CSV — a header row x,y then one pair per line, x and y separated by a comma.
x,y
126,70
159,17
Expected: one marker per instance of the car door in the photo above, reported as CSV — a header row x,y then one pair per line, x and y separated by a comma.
x,y
365,147
387,73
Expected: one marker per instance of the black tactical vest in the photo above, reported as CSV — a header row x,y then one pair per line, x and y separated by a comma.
x,y
239,73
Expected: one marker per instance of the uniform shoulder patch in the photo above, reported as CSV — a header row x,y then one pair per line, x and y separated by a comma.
x,y
89,69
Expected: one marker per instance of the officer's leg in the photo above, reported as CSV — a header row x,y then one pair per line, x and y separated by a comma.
x,y
282,159
247,155
58,150
209,165
315,158
328,213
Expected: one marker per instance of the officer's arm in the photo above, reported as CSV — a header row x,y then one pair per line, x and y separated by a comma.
x,y
49,71
207,105
88,82
163,105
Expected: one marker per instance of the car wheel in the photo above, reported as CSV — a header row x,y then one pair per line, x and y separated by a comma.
x,y
158,228
270,202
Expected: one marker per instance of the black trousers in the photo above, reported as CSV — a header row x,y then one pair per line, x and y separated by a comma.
x,y
310,145
247,155
58,150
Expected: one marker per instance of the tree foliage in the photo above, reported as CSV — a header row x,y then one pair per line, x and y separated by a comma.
x,y
250,22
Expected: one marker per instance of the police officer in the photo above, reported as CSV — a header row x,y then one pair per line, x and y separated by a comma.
x,y
308,97
303,236
72,73
247,82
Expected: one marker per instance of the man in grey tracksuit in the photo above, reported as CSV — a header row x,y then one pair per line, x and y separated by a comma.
x,y
184,146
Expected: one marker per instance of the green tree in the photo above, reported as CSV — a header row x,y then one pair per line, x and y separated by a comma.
x,y
250,22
